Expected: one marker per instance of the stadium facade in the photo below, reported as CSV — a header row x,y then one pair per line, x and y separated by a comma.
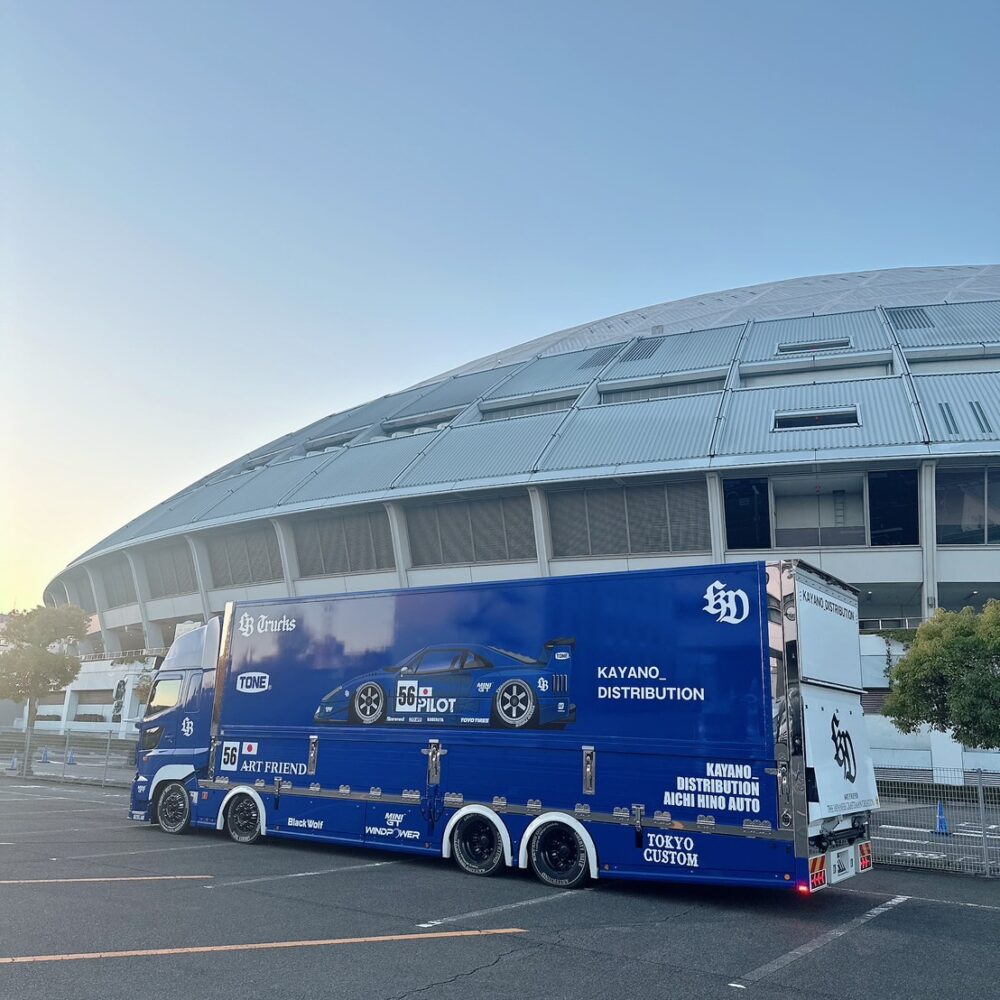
x,y
852,420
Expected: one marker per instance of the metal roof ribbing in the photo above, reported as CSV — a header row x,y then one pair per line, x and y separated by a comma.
x,y
683,352
863,329
960,391
883,408
828,293
485,451
563,371
190,506
964,323
653,431
268,487
364,468
455,392
363,415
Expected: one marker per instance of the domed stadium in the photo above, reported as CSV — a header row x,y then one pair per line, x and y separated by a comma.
x,y
852,420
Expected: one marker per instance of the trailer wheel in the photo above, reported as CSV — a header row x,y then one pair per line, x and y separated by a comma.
x,y
558,856
368,704
514,704
243,820
477,846
173,809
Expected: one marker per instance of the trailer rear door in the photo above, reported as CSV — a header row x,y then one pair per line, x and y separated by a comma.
x,y
841,777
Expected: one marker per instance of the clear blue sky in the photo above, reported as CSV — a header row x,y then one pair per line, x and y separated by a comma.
x,y
222,221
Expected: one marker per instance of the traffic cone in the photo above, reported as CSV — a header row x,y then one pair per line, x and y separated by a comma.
x,y
942,821
45,756
12,766
71,757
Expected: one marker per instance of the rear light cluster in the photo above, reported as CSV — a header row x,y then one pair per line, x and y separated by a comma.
x,y
864,856
817,873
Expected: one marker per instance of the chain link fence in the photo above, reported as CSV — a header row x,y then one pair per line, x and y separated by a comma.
x,y
943,819
95,758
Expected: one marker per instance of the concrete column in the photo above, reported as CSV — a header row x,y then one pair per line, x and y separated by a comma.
x,y
287,551
199,556
110,640
716,521
400,542
928,534
151,630
543,530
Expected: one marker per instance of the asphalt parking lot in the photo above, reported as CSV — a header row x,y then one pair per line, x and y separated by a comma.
x,y
92,905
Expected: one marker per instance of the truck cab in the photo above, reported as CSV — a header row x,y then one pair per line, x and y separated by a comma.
x,y
174,729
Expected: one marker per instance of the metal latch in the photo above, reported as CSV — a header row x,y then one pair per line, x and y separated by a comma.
x,y
434,752
589,770
313,754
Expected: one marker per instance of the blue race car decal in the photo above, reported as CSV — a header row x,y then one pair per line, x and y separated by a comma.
x,y
460,685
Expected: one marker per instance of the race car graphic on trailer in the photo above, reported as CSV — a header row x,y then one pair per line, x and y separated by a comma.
x,y
460,685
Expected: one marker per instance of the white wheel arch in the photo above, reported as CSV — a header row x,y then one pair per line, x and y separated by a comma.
x,y
508,853
574,824
220,820
169,772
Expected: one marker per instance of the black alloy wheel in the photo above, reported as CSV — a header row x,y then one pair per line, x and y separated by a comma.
x,y
243,820
173,809
559,856
477,845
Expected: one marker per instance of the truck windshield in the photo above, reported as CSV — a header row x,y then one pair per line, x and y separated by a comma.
x,y
520,657
164,695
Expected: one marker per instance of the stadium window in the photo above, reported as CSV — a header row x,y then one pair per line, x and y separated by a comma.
x,y
632,520
493,529
819,510
813,346
748,514
960,496
841,417
892,507
337,544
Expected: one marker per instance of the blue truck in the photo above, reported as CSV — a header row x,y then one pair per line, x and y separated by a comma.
x,y
700,724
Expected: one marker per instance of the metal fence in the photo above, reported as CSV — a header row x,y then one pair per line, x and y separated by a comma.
x,y
942,818
88,757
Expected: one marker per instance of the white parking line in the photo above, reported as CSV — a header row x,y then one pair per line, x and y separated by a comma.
x,y
923,899
824,939
499,909
53,812
322,871
148,850
66,829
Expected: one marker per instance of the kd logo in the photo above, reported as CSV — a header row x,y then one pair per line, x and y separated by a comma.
x,y
731,606
843,749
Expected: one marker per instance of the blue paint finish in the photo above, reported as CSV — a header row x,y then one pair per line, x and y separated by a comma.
x,y
669,685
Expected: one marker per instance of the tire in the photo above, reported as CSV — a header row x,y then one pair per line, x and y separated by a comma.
x,y
173,809
368,706
515,705
243,820
558,856
477,846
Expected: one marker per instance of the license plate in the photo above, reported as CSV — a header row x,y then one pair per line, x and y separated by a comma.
x,y
840,864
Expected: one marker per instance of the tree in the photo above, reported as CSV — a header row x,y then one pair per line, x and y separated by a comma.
x,y
37,663
950,677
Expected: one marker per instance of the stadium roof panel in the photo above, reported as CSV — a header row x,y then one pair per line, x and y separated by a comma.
x,y
937,315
